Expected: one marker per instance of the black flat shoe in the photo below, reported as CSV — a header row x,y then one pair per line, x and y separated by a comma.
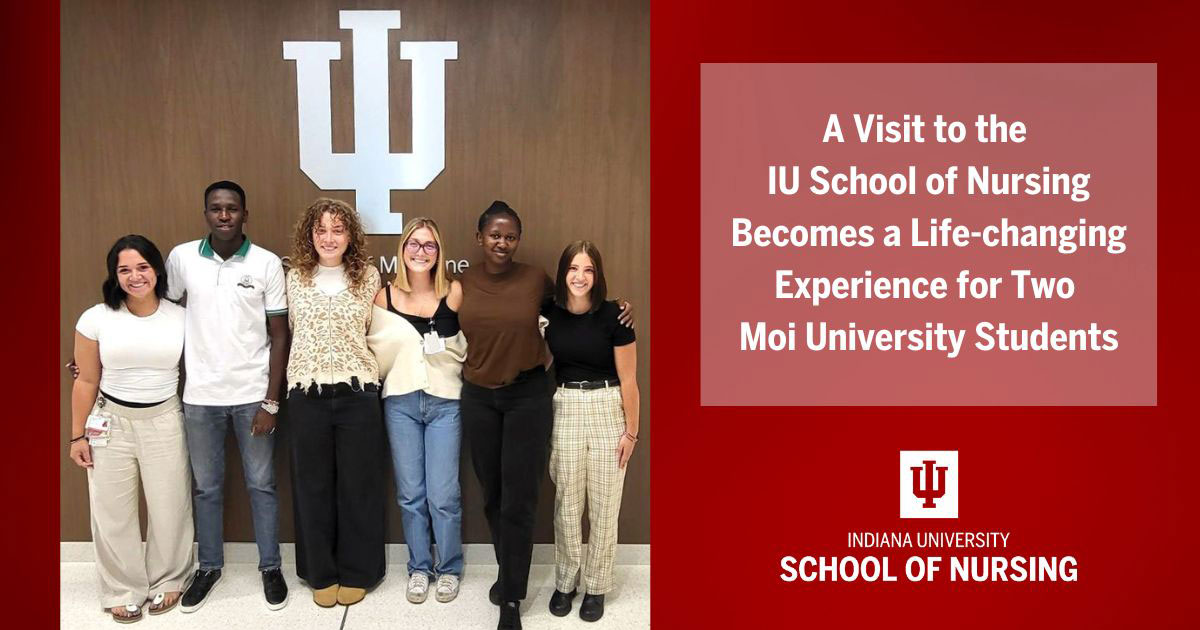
x,y
560,603
494,594
510,616
592,607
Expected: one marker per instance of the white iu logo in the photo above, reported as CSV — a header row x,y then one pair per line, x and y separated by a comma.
x,y
928,484
372,171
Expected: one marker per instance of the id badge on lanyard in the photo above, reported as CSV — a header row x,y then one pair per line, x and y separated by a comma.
x,y
432,342
98,427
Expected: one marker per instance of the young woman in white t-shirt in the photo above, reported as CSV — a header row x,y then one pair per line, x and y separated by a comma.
x,y
127,427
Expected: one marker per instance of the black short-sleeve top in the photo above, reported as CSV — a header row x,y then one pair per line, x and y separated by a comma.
x,y
582,345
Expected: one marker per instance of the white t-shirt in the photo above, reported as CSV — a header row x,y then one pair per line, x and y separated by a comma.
x,y
330,280
139,356
228,351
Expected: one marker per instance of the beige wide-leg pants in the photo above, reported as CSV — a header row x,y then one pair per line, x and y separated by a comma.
x,y
583,465
147,444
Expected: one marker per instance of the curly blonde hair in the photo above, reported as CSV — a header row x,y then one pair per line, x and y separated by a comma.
x,y
304,255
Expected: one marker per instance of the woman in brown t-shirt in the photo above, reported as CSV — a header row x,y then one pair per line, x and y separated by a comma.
x,y
506,406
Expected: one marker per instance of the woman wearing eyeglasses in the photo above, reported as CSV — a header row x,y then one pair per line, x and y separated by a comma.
x,y
420,350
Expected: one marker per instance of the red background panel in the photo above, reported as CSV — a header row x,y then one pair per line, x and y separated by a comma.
x,y
1092,119
737,488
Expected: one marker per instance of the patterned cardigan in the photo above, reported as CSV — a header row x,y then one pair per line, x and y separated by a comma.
x,y
329,333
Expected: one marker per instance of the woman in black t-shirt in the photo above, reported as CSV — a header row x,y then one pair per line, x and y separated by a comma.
x,y
595,425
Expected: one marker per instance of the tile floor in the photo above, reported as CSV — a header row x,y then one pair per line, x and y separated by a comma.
x,y
237,603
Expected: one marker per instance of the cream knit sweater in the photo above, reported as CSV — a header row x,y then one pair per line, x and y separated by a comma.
x,y
329,333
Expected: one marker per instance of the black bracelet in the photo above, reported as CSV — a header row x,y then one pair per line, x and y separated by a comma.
x,y
74,440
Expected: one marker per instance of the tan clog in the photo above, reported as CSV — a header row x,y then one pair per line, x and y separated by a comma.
x,y
348,595
326,597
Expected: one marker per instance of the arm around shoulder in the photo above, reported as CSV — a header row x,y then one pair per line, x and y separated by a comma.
x,y
175,279
626,360
83,394
374,280
276,290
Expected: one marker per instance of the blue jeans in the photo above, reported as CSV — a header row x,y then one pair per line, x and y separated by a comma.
x,y
205,426
425,434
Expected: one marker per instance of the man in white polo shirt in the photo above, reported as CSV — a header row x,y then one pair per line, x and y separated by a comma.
x,y
235,356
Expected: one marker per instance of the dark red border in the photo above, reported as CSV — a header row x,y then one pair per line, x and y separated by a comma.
x,y
31,369
699,579
735,489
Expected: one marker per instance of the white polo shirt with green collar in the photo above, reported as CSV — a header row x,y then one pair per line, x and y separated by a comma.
x,y
227,352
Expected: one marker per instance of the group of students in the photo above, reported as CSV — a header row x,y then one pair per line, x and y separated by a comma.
x,y
445,357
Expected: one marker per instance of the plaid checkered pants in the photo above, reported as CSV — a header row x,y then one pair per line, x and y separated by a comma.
x,y
583,465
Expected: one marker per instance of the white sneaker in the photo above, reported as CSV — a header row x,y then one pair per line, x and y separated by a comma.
x,y
447,587
418,587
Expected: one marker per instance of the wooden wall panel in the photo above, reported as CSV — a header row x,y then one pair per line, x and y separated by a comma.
x,y
547,107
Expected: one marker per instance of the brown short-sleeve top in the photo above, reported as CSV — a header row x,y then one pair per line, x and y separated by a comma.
x,y
499,316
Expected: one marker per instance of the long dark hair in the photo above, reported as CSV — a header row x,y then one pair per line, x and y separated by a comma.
x,y
599,287
113,293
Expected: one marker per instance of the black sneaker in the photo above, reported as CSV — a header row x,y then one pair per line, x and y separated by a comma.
x,y
275,590
201,587
510,616
494,594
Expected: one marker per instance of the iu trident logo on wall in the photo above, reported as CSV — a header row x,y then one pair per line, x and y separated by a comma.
x,y
372,171
928,484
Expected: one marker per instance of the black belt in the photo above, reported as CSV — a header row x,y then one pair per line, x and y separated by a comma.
x,y
591,384
124,403
335,389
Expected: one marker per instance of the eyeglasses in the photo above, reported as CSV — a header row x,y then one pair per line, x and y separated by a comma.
x,y
413,245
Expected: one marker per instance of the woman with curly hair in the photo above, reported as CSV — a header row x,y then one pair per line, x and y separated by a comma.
x,y
337,435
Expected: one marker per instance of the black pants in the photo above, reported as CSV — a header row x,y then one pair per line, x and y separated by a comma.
x,y
508,431
338,443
